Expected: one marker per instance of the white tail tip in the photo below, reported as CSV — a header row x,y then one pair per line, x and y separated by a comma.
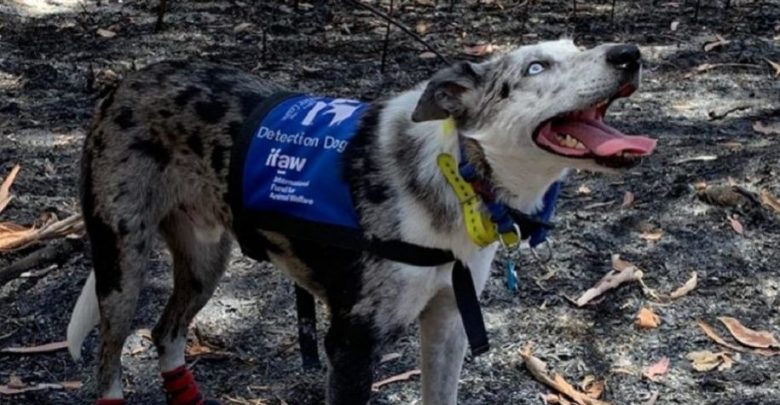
x,y
85,316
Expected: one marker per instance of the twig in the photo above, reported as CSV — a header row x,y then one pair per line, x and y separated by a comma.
x,y
538,370
160,16
612,13
611,280
387,40
749,194
396,378
709,66
381,14
72,224
51,252
719,116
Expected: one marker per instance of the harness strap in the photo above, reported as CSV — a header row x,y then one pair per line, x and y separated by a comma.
x,y
307,328
408,253
470,311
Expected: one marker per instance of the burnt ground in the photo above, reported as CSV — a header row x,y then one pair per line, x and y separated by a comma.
x,y
53,67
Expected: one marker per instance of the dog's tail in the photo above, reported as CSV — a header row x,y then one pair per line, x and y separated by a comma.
x,y
85,316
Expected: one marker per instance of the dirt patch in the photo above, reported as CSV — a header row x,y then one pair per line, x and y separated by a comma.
x,y
54,65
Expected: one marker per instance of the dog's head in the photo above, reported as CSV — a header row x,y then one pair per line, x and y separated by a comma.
x,y
541,105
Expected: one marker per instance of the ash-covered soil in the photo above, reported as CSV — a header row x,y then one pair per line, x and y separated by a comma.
x,y
54,65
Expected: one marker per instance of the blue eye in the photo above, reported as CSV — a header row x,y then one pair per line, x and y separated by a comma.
x,y
535,68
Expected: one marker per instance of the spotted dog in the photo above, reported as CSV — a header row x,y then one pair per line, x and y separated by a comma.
x,y
157,157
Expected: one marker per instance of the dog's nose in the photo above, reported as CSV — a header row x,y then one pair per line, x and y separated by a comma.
x,y
624,56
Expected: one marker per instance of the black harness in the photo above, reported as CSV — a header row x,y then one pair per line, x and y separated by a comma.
x,y
247,223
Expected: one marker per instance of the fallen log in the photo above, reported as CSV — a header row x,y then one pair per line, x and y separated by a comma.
x,y
56,251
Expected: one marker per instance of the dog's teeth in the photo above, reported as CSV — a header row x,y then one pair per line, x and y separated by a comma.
x,y
569,141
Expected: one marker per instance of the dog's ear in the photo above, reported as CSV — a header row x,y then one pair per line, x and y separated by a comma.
x,y
442,96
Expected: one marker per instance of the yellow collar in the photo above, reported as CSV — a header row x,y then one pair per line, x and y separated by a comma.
x,y
481,229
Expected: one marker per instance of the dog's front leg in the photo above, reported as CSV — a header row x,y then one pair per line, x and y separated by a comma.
x,y
351,347
443,339
443,346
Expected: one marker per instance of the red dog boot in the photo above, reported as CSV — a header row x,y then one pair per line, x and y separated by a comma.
x,y
181,389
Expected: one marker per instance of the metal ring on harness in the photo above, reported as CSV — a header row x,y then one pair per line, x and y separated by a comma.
x,y
547,242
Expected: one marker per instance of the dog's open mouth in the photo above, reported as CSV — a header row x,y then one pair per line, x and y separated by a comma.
x,y
583,134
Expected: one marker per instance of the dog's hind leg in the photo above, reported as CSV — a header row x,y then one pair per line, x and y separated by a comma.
x,y
200,254
120,229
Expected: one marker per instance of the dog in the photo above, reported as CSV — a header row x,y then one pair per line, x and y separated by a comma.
x,y
156,160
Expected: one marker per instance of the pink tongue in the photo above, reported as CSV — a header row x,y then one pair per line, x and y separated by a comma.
x,y
603,140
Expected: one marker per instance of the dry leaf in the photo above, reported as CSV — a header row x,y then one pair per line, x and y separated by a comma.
x,y
628,199
198,349
538,369
10,227
598,205
8,390
421,27
716,338
647,319
749,337
592,387
583,190
674,25
479,50
704,360
71,385
653,235
700,158
396,378
658,369
707,361
766,198
49,347
720,41
5,187
106,33
389,357
766,129
15,382
427,55
685,288
144,333
14,237
243,27
554,399
775,66
623,272
731,145
728,361
620,264
736,225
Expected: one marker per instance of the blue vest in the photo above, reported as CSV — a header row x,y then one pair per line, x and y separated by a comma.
x,y
288,173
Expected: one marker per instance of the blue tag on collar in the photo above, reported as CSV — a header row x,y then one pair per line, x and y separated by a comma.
x,y
511,275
